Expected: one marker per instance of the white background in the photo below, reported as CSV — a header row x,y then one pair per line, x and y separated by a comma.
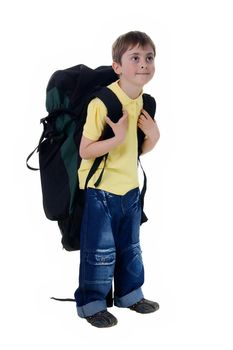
x,y
187,244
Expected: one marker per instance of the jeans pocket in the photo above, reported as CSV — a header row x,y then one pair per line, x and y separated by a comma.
x,y
99,267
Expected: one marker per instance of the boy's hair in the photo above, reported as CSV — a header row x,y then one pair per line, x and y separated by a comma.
x,y
128,40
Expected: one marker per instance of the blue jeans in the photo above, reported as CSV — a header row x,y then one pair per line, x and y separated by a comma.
x,y
109,249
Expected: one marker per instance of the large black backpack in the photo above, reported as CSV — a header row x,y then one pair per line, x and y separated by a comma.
x,y
68,94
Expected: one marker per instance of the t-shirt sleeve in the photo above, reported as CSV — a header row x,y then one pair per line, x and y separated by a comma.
x,y
95,121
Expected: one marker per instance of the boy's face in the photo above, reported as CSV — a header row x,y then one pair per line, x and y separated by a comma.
x,y
137,66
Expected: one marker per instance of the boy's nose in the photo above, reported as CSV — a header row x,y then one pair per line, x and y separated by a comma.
x,y
143,65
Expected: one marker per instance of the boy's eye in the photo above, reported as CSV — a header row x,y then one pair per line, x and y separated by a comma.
x,y
150,59
135,58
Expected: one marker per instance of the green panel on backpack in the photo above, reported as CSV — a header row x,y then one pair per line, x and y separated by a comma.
x,y
69,156
53,99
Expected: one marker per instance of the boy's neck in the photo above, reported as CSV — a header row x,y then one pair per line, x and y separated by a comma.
x,y
131,91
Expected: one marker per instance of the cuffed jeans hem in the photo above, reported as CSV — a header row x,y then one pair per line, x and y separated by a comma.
x,y
91,308
129,299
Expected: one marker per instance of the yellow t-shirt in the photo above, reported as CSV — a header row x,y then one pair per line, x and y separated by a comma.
x,y
120,173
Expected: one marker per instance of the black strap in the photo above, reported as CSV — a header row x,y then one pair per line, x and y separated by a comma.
x,y
114,108
149,104
65,299
47,134
109,298
29,156
102,172
112,104
36,149
93,169
143,191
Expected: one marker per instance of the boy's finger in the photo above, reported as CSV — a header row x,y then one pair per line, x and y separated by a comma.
x,y
142,117
109,121
145,113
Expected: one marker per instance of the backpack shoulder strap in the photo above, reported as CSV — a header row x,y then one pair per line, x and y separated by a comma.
x,y
149,104
111,102
114,108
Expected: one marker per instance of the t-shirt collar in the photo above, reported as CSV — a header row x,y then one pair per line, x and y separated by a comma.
x,y
123,97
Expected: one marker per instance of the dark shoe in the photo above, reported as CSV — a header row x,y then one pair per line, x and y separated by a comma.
x,y
145,306
102,319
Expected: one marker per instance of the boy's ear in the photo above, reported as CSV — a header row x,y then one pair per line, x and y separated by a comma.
x,y
116,67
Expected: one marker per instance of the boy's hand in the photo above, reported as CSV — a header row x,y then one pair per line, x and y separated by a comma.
x,y
119,128
148,126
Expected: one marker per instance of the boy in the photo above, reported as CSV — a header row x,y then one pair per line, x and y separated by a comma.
x,y
109,242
